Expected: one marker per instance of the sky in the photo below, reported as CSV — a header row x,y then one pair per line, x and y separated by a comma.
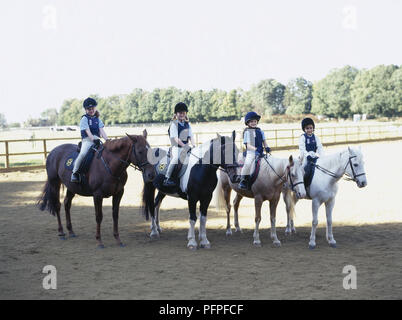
x,y
58,49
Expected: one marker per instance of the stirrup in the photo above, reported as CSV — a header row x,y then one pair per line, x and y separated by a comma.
x,y
168,182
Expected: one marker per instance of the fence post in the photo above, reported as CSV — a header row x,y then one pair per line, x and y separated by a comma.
x,y
44,148
276,138
7,156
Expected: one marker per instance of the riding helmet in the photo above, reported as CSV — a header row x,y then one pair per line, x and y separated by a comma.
x,y
180,107
251,116
89,103
306,122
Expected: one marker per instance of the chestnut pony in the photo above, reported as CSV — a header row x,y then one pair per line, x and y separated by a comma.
x,y
106,177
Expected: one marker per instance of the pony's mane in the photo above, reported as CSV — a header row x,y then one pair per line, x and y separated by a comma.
x,y
115,144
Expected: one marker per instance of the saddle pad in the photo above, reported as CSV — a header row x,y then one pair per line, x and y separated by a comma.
x,y
163,164
255,170
309,170
85,164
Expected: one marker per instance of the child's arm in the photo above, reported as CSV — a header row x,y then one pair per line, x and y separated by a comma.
x,y
302,146
320,148
103,133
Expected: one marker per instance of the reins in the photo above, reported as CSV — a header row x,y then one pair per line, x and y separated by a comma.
x,y
292,185
126,162
335,176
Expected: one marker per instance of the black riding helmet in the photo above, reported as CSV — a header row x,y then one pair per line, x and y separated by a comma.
x,y
180,107
307,121
89,103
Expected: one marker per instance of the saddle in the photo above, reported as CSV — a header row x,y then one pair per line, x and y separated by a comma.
x,y
309,170
86,162
161,168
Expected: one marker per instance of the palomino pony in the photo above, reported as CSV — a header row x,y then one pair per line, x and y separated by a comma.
x,y
197,184
106,177
324,186
273,174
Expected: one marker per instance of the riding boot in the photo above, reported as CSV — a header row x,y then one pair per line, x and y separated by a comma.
x,y
75,177
244,182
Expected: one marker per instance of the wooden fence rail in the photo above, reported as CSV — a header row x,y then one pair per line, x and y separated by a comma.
x,y
278,139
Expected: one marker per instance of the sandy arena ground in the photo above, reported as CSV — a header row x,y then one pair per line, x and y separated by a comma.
x,y
367,228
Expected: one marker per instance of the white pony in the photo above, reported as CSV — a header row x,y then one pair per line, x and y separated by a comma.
x,y
324,186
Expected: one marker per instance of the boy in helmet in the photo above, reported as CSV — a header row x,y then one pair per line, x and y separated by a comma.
x,y
310,146
254,139
181,137
91,129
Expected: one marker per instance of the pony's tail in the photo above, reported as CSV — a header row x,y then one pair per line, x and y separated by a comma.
x,y
50,198
289,202
148,200
218,197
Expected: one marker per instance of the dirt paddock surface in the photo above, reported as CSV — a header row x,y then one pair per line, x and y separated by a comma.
x,y
367,228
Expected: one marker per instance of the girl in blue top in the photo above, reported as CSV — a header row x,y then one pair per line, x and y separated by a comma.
x,y
91,130
254,139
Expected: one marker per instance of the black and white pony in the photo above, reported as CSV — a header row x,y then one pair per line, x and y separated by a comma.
x,y
197,184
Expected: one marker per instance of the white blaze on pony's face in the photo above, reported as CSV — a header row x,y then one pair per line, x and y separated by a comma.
x,y
355,167
295,177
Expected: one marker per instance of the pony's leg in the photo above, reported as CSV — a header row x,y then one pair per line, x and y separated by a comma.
x,y
155,228
115,208
288,198
192,206
55,183
204,204
99,216
272,210
257,203
315,206
161,196
236,203
67,206
329,206
227,192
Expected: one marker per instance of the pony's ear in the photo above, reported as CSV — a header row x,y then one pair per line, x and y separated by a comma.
x,y
291,160
218,135
145,133
133,138
233,135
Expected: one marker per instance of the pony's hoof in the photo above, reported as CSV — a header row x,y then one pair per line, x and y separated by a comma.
x,y
205,246
122,245
228,232
257,244
311,247
154,236
332,245
72,235
63,237
101,246
277,244
238,229
192,247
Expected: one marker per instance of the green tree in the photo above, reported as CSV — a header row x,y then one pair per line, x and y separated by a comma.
x,y
50,115
377,91
332,95
267,97
298,96
3,121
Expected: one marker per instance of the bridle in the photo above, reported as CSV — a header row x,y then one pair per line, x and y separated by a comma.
x,y
288,176
127,162
335,176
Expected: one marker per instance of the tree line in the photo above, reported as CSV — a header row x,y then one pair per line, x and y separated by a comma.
x,y
342,92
